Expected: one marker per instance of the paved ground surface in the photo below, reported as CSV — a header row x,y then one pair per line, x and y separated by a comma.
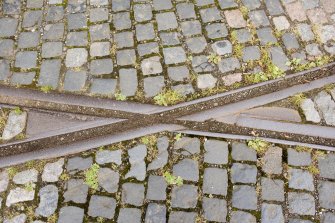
x,y
137,49
222,181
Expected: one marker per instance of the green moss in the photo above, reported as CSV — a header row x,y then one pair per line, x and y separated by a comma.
x,y
259,145
120,97
17,111
91,176
46,89
214,58
172,180
297,99
168,97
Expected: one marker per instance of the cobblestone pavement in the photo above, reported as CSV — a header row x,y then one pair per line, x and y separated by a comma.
x,y
138,49
174,178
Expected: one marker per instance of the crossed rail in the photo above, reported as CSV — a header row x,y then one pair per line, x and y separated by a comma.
x,y
198,115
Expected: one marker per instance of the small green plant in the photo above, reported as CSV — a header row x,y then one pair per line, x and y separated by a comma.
x,y
214,58
178,137
329,87
20,136
46,88
100,219
297,99
52,218
173,180
302,149
313,169
244,11
91,176
259,145
256,77
11,171
29,186
120,97
149,140
296,64
64,177
18,111
168,97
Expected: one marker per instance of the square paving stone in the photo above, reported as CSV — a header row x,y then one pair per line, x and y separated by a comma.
x,y
76,191
251,53
301,203
76,57
155,213
243,35
120,5
279,58
181,216
124,39
187,146
153,85
300,179
34,4
299,158
156,188
75,80
243,173
296,11
99,14
266,36
183,89
272,213
196,44
274,7
162,4
186,11
54,31
151,65
241,152
259,18
174,55
76,21
77,39
126,57
26,59
185,196
128,215
74,6
107,156
50,71
122,20
244,197
179,73
305,32
281,23
327,166
226,4
187,169
241,216
7,48
142,12
52,49
223,47
229,64
32,19
102,206
54,14
101,66
78,164
27,40
214,209
4,69
190,28
133,194
70,214
326,191
166,21
103,86
201,64
99,2
204,2
251,4
22,78
290,41
326,218
170,38
128,81
272,161
145,32
215,181
216,152
210,15
100,32
100,49
11,7
235,18
216,30
272,190
8,27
